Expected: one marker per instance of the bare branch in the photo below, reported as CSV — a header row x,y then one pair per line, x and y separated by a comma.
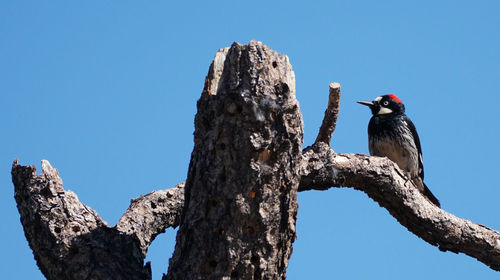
x,y
149,215
331,113
382,180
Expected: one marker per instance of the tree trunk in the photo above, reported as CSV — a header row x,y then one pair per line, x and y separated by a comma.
x,y
240,205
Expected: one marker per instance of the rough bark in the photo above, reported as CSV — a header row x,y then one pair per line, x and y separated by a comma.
x,y
151,214
382,180
331,114
70,241
239,204
241,192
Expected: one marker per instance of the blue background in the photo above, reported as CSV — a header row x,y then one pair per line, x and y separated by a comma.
x,y
107,90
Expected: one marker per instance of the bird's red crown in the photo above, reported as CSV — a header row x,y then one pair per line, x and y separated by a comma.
x,y
395,98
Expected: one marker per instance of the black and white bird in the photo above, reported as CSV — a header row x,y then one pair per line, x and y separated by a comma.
x,y
393,135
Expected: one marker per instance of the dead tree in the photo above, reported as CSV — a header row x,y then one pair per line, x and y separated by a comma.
x,y
238,207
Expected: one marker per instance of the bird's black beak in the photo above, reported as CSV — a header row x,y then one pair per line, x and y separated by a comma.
x,y
366,103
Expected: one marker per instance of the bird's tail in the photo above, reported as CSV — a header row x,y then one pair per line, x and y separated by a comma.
x,y
431,196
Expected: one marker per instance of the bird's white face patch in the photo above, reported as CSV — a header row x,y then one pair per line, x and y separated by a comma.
x,y
384,111
378,99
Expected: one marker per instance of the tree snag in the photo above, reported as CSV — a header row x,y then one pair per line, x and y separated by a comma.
x,y
241,191
238,208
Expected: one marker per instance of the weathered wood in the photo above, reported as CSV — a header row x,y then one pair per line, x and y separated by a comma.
x,y
331,114
69,240
239,204
383,181
241,192
149,215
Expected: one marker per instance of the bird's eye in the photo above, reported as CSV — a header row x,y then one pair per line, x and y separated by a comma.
x,y
385,103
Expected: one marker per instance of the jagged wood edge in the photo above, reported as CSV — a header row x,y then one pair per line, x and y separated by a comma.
x,y
61,230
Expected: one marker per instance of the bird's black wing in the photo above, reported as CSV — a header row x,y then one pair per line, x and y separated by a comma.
x,y
427,192
414,133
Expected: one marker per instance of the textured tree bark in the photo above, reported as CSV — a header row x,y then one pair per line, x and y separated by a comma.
x,y
149,215
239,204
331,113
241,192
385,183
70,241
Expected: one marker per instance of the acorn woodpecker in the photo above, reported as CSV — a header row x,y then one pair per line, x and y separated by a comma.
x,y
393,135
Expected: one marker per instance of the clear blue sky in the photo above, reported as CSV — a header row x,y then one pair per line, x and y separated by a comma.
x,y
107,90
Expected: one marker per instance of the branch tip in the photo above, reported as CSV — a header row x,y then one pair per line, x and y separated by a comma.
x,y
334,85
330,119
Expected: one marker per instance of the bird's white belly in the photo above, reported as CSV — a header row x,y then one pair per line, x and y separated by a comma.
x,y
403,157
